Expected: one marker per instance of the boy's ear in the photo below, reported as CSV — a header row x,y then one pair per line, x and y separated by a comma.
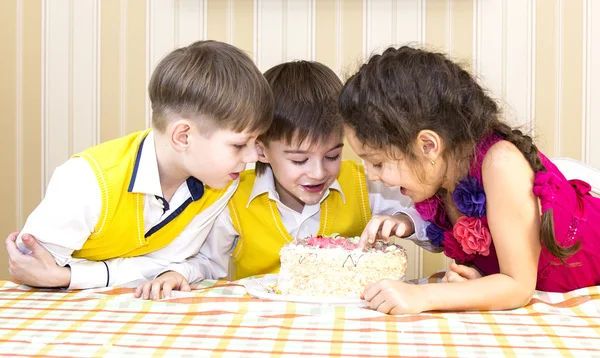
x,y
260,149
180,131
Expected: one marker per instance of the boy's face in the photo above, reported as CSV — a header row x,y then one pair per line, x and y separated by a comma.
x,y
218,159
303,173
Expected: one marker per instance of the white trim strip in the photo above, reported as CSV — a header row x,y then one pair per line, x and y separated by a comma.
x,y
559,65
149,56
98,69
44,99
122,68
587,82
338,36
531,58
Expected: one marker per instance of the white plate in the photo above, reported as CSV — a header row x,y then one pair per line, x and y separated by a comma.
x,y
254,288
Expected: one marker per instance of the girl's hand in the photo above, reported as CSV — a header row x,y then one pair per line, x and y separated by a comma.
x,y
395,297
164,283
383,226
459,273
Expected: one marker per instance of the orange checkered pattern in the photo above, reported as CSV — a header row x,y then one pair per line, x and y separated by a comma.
x,y
219,318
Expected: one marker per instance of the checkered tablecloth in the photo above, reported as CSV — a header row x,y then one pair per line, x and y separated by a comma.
x,y
220,319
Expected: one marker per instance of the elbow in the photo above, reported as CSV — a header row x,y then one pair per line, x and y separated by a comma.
x,y
522,295
524,298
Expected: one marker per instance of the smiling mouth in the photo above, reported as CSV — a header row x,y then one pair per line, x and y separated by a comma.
x,y
314,188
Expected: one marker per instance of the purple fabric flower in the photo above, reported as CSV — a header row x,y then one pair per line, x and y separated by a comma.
x,y
469,197
435,234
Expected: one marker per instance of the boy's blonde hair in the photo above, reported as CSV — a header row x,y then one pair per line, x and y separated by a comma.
x,y
213,83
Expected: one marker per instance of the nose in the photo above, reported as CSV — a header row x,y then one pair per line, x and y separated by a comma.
x,y
250,155
317,172
372,176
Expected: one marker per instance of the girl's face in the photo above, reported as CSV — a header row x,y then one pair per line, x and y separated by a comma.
x,y
419,181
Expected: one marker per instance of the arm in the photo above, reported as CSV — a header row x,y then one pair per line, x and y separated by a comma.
x,y
514,220
62,223
388,201
212,262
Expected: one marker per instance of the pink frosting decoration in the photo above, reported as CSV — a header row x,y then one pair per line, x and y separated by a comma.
x,y
332,243
472,235
545,186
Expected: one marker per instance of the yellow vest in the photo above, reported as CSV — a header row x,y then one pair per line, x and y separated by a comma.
x,y
120,228
261,231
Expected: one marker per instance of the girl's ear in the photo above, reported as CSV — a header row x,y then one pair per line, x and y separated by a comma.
x,y
429,145
260,149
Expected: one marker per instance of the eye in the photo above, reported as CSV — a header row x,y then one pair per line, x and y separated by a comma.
x,y
334,158
377,166
300,162
239,146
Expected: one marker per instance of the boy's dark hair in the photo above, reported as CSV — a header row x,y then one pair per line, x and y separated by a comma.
x,y
213,83
397,94
306,95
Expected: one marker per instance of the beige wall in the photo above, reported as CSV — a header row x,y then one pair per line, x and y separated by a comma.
x,y
74,72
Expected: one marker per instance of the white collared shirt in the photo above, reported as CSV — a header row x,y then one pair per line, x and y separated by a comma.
x,y
213,259
71,207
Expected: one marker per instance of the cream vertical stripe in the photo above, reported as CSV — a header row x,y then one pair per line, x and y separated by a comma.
x,y
326,40
218,21
351,12
8,125
572,78
31,182
111,72
242,26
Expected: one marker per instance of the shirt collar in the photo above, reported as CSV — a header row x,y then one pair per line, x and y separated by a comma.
x,y
265,183
145,178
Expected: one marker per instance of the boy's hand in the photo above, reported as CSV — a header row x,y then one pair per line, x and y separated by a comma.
x,y
459,273
395,297
38,268
383,226
166,282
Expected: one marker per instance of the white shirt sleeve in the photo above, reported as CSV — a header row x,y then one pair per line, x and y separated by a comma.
x,y
390,201
212,262
65,219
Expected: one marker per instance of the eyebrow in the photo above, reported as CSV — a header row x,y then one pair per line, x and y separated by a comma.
x,y
298,151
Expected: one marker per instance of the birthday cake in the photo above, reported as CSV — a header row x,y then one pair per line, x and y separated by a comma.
x,y
335,266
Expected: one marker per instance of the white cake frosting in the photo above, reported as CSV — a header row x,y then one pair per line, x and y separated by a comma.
x,y
334,266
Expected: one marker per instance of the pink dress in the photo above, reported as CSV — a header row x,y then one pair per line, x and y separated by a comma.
x,y
576,216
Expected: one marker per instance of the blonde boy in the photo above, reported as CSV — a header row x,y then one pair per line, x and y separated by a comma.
x,y
127,210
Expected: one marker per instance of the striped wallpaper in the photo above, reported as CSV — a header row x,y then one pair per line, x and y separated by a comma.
x,y
74,72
